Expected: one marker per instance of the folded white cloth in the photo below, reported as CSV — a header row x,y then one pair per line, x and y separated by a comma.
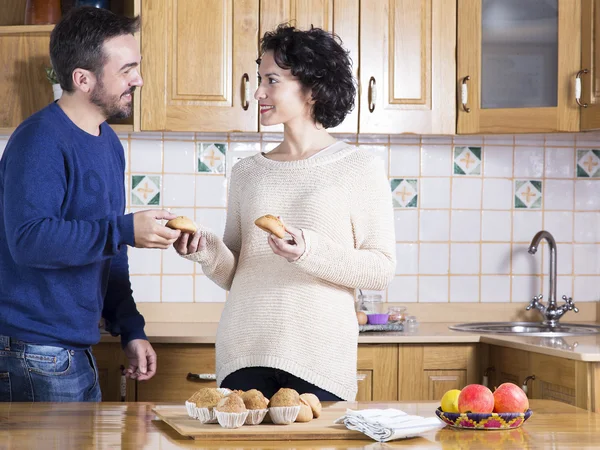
x,y
388,424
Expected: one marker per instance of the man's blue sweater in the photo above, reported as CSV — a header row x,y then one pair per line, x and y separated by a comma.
x,y
64,235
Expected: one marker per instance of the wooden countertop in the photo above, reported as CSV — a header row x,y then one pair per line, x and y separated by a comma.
x,y
133,426
580,348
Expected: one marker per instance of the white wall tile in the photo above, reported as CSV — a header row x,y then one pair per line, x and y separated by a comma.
x,y
144,261
405,161
525,225
434,192
564,259
587,139
433,259
407,259
499,139
465,225
146,155
433,289
530,139
560,140
560,162
211,191
178,190
407,224
466,193
178,288
495,258
464,259
146,288
495,289
586,259
524,288
464,289
559,224
498,161
587,227
403,289
529,162
524,263
587,195
434,225
497,194
587,289
174,264
213,219
180,157
496,226
558,195
436,160
564,286
207,291
380,152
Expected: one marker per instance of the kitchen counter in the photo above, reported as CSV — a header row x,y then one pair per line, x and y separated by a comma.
x,y
134,426
580,348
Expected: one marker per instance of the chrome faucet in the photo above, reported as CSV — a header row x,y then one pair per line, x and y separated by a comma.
x,y
550,312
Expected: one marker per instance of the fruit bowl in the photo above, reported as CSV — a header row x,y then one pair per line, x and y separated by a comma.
x,y
483,421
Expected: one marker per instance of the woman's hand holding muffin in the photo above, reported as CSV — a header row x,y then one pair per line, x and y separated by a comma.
x,y
290,249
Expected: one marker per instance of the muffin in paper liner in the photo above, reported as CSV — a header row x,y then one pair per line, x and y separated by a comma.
x,y
284,415
204,415
256,416
231,420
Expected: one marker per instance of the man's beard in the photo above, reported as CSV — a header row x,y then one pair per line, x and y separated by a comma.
x,y
111,104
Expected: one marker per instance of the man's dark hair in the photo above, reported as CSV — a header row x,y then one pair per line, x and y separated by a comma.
x,y
77,41
321,64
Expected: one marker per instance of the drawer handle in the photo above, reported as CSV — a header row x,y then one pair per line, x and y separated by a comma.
x,y
201,376
464,94
372,94
246,91
578,88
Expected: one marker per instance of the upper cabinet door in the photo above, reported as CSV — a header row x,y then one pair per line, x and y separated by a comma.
x,y
590,64
337,16
407,62
199,65
517,64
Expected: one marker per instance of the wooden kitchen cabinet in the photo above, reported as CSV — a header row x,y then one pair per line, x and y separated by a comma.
x,y
110,360
426,372
377,372
407,59
517,63
590,62
337,16
175,362
199,65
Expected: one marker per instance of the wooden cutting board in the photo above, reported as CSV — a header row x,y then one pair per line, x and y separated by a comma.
x,y
321,428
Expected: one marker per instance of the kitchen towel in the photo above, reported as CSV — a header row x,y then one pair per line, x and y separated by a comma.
x,y
385,425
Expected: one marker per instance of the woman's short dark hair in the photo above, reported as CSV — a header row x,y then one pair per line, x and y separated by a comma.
x,y
321,64
77,40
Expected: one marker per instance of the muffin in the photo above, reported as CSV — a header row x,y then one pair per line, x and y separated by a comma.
x,y
314,402
202,403
284,406
305,414
231,411
256,403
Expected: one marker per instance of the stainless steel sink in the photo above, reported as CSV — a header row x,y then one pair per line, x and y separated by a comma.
x,y
527,328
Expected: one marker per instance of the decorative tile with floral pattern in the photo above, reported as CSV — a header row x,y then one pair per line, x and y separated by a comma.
x,y
588,163
145,190
528,194
211,157
404,192
467,160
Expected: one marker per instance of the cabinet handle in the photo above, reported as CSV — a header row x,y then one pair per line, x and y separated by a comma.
x,y
372,94
464,94
123,384
578,88
246,91
201,376
525,387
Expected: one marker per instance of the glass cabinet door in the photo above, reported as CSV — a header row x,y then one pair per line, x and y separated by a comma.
x,y
517,62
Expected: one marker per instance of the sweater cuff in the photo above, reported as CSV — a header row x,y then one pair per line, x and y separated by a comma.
x,y
126,338
311,242
125,228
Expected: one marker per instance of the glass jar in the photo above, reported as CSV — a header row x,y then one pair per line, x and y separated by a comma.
x,y
411,324
371,304
397,314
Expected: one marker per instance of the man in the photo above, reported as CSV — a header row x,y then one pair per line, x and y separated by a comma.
x,y
63,231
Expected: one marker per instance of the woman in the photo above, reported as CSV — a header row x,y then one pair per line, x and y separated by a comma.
x,y
289,320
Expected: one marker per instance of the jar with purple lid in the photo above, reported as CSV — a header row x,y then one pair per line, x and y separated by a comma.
x,y
373,306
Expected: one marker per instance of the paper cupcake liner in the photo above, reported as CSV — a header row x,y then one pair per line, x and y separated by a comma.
x,y
284,415
231,420
204,415
256,416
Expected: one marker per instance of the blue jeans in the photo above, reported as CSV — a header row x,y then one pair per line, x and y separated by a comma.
x,y
268,381
43,373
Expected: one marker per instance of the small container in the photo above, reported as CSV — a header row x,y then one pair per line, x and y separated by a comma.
x,y
377,319
411,324
397,314
372,304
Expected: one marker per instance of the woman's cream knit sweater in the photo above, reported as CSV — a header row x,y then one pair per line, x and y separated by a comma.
x,y
299,316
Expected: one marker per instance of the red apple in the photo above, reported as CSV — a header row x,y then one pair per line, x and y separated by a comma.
x,y
509,397
475,398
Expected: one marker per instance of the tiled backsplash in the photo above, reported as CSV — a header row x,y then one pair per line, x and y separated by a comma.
x,y
466,209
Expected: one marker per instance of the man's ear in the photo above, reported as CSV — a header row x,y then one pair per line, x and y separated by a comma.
x,y
83,80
